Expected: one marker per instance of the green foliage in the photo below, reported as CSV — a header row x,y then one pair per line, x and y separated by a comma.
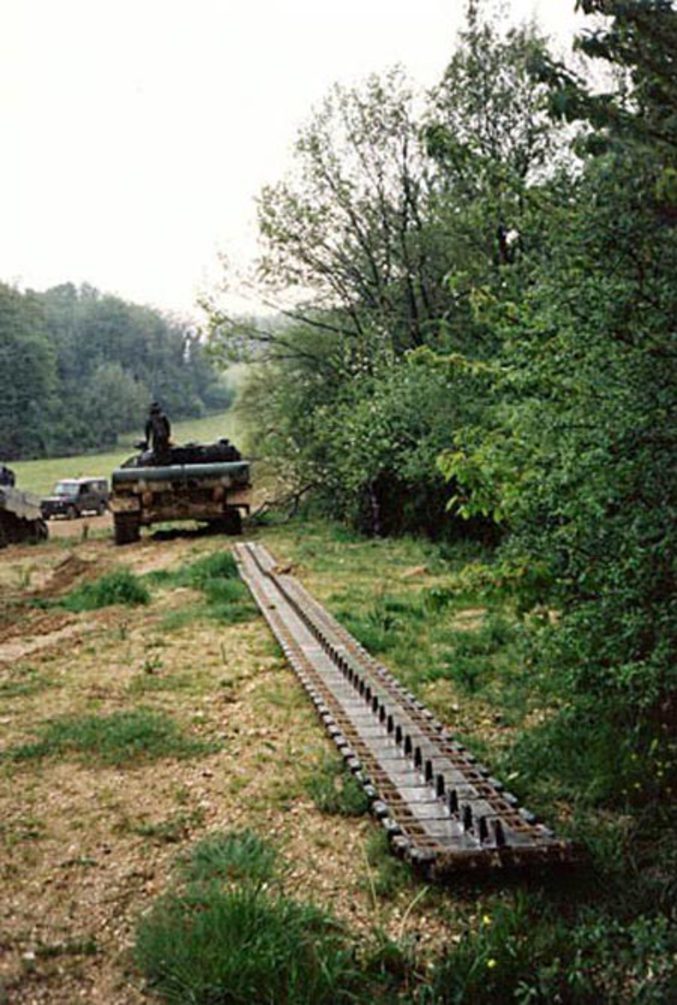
x,y
85,365
122,738
334,790
522,951
118,587
218,566
393,234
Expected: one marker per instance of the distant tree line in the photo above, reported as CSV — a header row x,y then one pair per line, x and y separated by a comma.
x,y
79,366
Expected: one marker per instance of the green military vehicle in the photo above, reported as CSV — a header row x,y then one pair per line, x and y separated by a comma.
x,y
208,483
20,517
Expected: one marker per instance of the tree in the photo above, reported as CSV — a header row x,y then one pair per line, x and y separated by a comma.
x,y
576,451
27,363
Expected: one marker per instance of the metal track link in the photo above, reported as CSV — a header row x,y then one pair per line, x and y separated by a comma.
x,y
441,808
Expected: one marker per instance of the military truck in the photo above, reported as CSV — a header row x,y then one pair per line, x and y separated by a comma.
x,y
208,483
20,517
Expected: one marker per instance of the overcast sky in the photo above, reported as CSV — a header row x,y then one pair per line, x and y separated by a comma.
x,y
136,133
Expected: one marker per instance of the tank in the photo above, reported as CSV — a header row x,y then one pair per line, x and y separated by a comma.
x,y
20,517
209,483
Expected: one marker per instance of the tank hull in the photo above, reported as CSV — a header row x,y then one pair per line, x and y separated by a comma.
x,y
20,517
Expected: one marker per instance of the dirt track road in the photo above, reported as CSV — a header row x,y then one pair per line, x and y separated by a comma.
x,y
81,528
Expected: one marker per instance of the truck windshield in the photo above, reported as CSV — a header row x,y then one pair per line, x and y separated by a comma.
x,y
66,489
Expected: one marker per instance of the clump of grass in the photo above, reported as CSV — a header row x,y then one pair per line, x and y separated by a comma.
x,y
217,577
236,856
241,946
117,739
144,682
334,790
525,951
118,587
387,875
219,565
223,937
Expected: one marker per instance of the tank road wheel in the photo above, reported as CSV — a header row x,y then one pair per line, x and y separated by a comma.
x,y
232,522
126,528
40,532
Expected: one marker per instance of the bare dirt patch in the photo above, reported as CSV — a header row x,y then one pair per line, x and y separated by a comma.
x,y
80,529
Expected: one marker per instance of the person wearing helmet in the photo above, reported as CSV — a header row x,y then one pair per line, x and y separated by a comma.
x,y
6,475
158,431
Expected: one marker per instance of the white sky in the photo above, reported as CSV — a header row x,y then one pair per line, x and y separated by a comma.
x,y
136,133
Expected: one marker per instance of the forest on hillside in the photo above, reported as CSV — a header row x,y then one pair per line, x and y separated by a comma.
x,y
484,344
80,366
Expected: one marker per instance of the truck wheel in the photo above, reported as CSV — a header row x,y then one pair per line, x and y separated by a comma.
x,y
126,528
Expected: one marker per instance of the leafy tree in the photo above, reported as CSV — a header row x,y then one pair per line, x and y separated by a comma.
x,y
389,228
29,375
85,365
576,451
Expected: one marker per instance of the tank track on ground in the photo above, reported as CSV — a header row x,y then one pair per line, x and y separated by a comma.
x,y
440,807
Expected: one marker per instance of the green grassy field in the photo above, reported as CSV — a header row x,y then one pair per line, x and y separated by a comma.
x,y
41,475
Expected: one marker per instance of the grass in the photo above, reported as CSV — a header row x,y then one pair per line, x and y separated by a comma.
x,y
237,856
23,681
334,790
242,946
120,739
227,599
386,876
223,936
118,587
448,627
172,830
40,476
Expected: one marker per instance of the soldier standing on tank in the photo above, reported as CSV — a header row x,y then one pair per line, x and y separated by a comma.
x,y
7,476
158,431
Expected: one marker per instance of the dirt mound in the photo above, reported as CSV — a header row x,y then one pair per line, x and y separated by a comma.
x,y
69,572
